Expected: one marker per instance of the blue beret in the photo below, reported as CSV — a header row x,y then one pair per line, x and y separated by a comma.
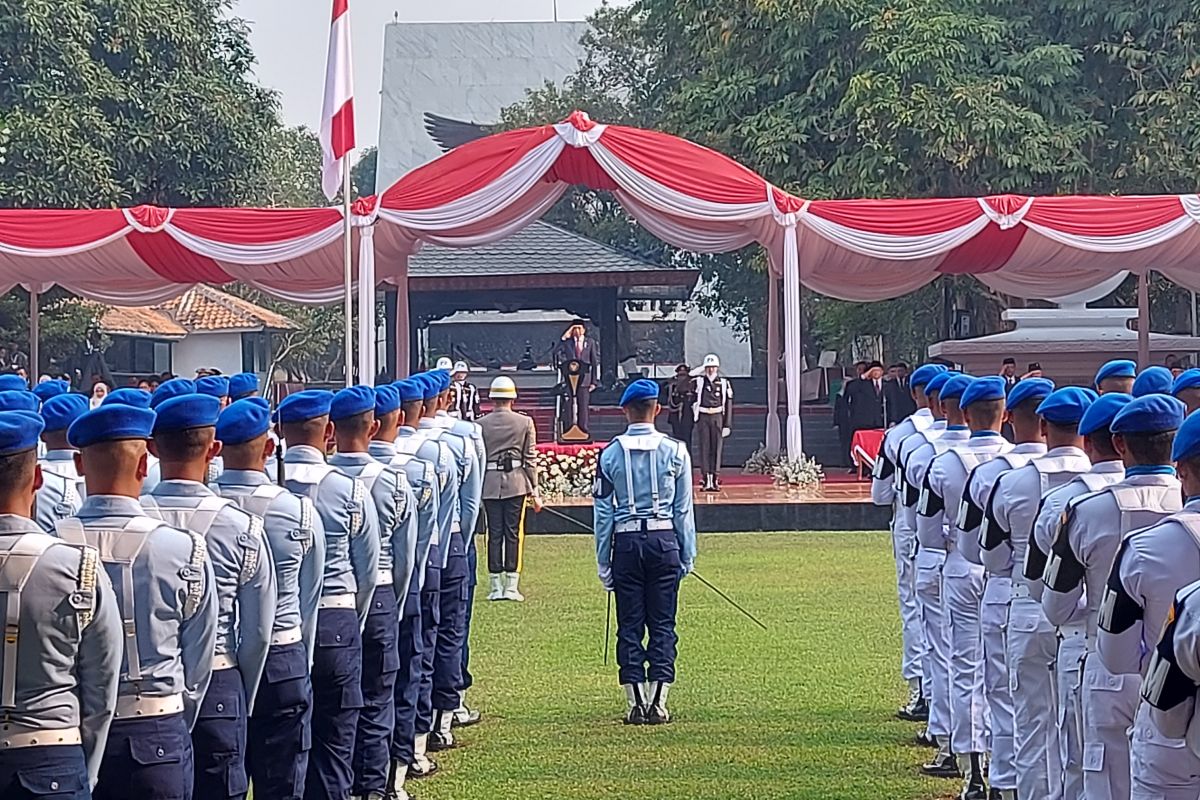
x,y
982,389
1115,369
19,431
242,385
1187,439
24,400
60,411
445,379
1153,380
641,389
187,411
1188,379
10,382
213,385
110,423
1154,413
244,420
923,374
387,399
172,388
128,396
1100,415
306,405
953,389
1067,405
429,385
351,401
52,388
410,390
1029,389
938,381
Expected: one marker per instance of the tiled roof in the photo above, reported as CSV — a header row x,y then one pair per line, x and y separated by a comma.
x,y
200,309
140,322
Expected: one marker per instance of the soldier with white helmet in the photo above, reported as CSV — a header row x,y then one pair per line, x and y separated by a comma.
x,y
713,412
464,395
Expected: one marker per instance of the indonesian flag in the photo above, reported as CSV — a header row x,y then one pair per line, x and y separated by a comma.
x,y
337,112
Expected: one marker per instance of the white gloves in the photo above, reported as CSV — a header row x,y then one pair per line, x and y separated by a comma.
x,y
688,566
725,433
606,580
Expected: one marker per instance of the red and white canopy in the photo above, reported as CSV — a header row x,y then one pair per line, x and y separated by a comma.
x,y
688,195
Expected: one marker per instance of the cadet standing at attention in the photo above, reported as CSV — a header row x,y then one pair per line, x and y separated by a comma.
x,y
57,497
353,416
645,544
62,653
185,443
1116,377
281,720
166,595
58,413
352,545
242,385
1172,685
1079,564
165,391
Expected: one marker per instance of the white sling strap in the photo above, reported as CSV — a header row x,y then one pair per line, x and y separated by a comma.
x,y
649,443
1190,520
16,565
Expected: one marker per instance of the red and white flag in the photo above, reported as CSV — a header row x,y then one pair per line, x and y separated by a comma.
x,y
337,112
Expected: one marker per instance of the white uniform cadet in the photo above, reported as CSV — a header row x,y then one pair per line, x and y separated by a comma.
x,y
1172,684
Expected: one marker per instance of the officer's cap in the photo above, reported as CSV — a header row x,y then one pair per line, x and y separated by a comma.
x,y
186,412
1067,405
23,400
1153,380
213,386
172,388
11,382
387,399
1188,379
1154,413
110,423
938,381
306,405
1029,389
981,390
1187,440
242,385
1120,368
641,389
51,388
244,420
352,401
1100,415
128,396
19,431
953,389
60,411
923,374
410,389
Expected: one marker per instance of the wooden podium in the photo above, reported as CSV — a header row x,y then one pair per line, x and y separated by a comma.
x,y
573,372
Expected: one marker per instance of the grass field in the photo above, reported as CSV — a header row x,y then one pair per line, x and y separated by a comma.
x,y
805,711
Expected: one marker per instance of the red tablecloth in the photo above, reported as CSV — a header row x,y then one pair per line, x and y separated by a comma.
x,y
568,449
864,447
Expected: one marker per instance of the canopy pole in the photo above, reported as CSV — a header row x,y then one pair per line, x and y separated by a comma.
x,y
1143,300
34,335
772,370
348,342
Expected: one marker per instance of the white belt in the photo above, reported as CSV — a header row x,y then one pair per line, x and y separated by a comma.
x,y
290,636
16,736
1020,590
223,662
129,706
719,410
636,525
336,601
383,577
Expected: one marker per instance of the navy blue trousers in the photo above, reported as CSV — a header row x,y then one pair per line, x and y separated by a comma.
x,y
337,700
408,681
281,726
468,680
57,772
646,571
431,611
219,738
452,628
380,663
147,759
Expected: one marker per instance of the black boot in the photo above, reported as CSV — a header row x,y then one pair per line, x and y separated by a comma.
x,y
943,764
636,714
916,709
973,785
925,739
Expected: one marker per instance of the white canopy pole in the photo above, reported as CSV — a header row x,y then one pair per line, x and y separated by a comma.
x,y
772,371
1143,299
792,334
366,304
347,267
34,335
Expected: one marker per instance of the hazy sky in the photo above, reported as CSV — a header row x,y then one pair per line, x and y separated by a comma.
x,y
290,38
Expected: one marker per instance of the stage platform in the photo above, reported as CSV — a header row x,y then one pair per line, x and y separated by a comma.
x,y
752,503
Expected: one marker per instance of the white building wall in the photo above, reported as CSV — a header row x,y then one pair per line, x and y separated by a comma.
x,y
703,335
221,351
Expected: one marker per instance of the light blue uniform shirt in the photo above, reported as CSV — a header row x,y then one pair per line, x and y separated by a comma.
x,y
58,498
241,564
61,462
412,442
351,524
472,437
627,476
470,479
422,478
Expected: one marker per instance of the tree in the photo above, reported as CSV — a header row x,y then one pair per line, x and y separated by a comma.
x,y
362,174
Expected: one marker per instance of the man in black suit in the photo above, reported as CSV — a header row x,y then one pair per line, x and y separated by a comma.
x,y
576,346
898,401
866,399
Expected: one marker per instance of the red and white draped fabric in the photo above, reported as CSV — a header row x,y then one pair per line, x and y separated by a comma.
x,y
337,110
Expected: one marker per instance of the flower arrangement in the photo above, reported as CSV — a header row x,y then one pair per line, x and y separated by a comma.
x,y
798,473
761,462
567,475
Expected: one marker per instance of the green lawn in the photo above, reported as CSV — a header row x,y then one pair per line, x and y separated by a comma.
x,y
805,711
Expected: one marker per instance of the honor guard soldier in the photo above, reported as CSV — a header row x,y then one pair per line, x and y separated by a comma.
x,y
1028,638
1021,416
51,388
1172,684
166,596
353,416
1186,389
464,394
713,414
1080,561
352,545
1116,377
1065,764
214,386
1152,564
61,652
884,493
243,385
165,391
645,544
57,497
58,413
511,478
185,442
281,719
1152,380
980,401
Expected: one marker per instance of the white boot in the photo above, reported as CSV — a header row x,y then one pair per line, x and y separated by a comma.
x,y
496,586
442,735
423,766
656,703
464,715
636,696
510,587
396,777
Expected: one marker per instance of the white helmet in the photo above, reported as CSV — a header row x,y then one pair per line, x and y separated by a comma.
x,y
460,366
445,364
711,360
503,388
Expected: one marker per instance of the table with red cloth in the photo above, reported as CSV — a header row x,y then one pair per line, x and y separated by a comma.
x,y
568,449
864,448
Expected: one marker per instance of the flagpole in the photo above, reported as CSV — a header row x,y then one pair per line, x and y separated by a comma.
x,y
347,267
